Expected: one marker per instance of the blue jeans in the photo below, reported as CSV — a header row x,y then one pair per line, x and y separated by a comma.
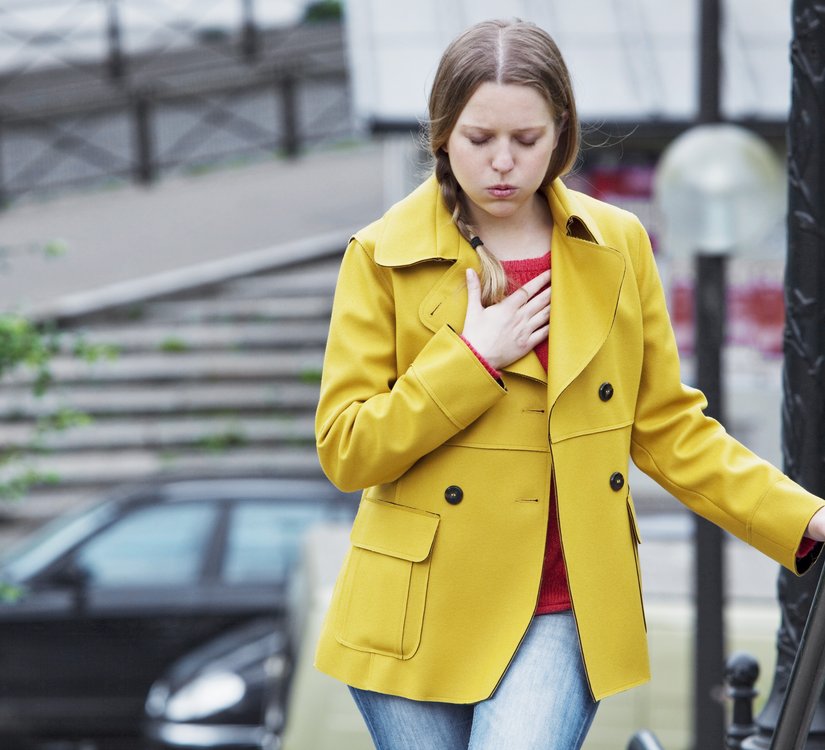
x,y
542,703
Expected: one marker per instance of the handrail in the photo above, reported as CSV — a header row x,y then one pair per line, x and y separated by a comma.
x,y
806,680
644,740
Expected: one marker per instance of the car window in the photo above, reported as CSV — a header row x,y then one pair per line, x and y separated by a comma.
x,y
158,546
264,539
53,541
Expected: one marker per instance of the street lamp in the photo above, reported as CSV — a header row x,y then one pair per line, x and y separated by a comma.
x,y
720,189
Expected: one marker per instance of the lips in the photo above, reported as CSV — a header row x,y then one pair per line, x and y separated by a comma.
x,y
501,191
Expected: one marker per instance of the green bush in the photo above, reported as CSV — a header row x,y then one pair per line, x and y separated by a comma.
x,y
323,10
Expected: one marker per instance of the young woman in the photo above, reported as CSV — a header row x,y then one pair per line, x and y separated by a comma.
x,y
491,594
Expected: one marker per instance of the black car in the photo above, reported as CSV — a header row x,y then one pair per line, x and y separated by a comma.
x,y
214,696
107,600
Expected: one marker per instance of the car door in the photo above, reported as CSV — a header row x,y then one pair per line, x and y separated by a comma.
x,y
83,645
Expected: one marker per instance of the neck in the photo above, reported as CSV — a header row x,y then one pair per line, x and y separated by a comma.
x,y
527,234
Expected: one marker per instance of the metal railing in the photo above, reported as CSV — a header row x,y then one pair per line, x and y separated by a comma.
x,y
806,682
185,97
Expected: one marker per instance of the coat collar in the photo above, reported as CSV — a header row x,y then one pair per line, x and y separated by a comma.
x,y
407,238
587,276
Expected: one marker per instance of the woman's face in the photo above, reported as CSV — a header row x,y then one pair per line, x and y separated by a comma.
x,y
500,149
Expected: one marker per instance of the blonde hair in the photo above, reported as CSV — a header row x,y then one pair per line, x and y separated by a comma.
x,y
504,52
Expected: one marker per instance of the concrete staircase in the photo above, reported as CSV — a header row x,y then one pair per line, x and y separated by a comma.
x,y
217,373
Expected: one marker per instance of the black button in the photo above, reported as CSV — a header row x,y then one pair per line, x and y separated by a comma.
x,y
616,481
605,391
453,494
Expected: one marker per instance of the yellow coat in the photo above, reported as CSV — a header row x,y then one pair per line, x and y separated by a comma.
x,y
443,574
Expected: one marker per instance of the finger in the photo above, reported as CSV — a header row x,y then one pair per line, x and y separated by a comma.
x,y
473,289
539,335
537,284
538,302
518,297
540,318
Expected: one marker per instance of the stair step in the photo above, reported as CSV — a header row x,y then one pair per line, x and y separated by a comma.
x,y
213,336
288,283
236,310
207,433
19,403
304,365
220,380
96,468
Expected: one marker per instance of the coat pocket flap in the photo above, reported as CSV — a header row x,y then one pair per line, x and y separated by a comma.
x,y
394,530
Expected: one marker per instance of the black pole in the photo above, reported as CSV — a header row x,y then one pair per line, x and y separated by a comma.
x,y
710,61
3,186
290,139
250,38
709,657
144,163
803,384
709,642
116,62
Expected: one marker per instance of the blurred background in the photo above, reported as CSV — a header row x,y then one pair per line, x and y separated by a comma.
x,y
178,180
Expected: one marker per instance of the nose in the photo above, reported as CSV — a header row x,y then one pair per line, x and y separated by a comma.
x,y
503,159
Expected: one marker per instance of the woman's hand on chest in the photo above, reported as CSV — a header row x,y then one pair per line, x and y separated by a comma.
x,y
504,332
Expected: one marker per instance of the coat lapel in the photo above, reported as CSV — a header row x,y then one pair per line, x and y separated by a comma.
x,y
587,279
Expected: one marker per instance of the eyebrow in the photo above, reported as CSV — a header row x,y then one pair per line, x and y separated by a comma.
x,y
519,131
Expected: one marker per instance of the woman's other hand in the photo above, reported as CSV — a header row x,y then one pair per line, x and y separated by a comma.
x,y
505,332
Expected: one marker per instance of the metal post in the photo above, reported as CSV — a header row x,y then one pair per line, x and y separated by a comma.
x,y
741,673
4,191
710,60
803,410
144,163
250,37
116,61
709,642
289,114
709,657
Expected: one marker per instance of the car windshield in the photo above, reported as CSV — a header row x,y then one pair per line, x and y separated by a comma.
x,y
54,539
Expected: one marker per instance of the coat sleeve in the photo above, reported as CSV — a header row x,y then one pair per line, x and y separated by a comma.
x,y
374,422
693,457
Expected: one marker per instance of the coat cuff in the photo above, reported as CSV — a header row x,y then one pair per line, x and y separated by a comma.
x,y
779,523
492,370
455,378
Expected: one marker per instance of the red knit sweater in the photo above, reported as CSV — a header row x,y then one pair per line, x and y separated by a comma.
x,y
553,595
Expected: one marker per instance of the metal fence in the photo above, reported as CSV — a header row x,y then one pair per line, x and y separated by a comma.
x,y
200,96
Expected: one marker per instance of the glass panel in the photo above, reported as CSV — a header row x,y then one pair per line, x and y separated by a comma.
x,y
265,538
160,546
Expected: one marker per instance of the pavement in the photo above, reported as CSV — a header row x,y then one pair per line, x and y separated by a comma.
x,y
117,235
125,233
